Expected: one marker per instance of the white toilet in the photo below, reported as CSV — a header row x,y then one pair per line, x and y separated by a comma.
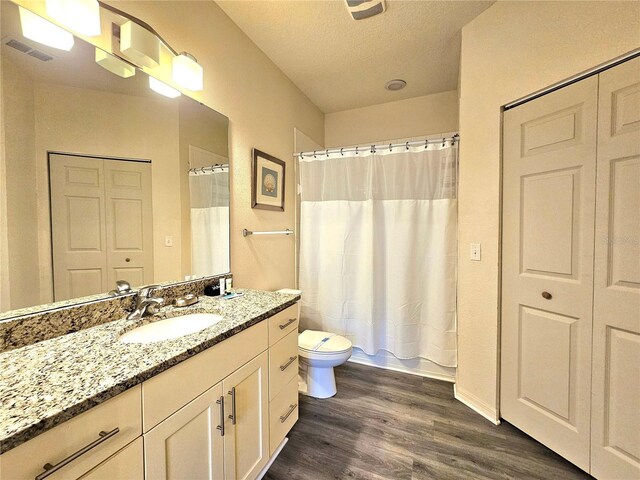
x,y
319,352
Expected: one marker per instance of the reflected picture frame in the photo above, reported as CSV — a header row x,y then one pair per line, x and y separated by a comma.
x,y
267,182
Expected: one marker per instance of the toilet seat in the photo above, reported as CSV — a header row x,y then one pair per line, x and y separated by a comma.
x,y
319,343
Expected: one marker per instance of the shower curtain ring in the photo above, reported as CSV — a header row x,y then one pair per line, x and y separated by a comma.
x,y
356,150
407,145
443,142
341,152
314,154
326,152
426,144
390,148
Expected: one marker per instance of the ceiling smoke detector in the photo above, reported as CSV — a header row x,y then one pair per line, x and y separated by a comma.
x,y
395,85
361,9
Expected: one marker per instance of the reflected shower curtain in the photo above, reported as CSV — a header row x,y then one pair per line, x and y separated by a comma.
x,y
378,249
209,193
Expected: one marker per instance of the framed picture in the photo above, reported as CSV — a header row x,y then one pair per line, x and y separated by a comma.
x,y
267,182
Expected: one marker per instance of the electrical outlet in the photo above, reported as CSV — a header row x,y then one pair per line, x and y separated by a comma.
x,y
475,252
168,241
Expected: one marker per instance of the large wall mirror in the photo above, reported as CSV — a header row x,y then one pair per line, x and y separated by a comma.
x,y
106,179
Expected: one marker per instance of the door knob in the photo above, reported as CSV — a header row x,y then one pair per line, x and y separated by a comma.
x,y
547,295
127,260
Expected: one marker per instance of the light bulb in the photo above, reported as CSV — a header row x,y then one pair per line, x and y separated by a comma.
x,y
114,64
43,31
162,88
82,16
187,72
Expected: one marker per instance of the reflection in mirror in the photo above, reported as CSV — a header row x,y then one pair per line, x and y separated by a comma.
x,y
106,179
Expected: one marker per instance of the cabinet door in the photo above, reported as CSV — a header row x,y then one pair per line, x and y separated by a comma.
x,y
615,442
188,444
126,464
549,161
246,441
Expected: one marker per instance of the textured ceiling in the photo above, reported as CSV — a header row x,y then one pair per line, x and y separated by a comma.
x,y
340,63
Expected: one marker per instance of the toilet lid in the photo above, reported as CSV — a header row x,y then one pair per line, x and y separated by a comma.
x,y
322,342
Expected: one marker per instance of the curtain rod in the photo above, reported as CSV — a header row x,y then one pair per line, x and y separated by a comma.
x,y
209,168
372,148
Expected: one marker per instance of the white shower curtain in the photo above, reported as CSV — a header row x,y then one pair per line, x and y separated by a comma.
x,y
209,193
378,243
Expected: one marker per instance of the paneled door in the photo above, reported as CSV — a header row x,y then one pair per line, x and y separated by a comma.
x,y
189,444
246,440
78,226
101,224
129,222
615,446
547,267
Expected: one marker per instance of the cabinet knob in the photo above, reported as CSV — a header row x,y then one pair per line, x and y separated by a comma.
x,y
547,295
127,259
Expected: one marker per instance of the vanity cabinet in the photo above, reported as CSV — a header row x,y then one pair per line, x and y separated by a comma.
x,y
220,414
283,374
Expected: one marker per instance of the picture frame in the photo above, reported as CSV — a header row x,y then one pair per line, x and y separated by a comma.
x,y
267,182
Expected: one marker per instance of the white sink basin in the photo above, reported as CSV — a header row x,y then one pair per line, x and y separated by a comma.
x,y
169,328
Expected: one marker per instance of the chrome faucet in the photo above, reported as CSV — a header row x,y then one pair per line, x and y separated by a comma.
x,y
146,303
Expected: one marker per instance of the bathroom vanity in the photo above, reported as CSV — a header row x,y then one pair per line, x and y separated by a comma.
x,y
213,404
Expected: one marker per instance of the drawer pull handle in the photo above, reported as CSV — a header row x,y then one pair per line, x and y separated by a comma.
x,y
220,427
287,323
102,437
291,360
284,417
232,392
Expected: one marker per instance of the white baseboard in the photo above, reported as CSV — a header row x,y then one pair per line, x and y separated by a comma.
x,y
414,366
477,405
272,459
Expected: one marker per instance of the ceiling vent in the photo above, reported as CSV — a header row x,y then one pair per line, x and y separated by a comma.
x,y
26,48
361,9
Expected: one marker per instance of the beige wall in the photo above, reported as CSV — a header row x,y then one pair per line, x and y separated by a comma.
x,y
263,107
412,117
22,230
510,50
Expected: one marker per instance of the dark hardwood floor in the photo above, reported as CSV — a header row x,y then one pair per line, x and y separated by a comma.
x,y
389,425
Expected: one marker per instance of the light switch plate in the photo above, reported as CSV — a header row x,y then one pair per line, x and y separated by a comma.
x,y
474,253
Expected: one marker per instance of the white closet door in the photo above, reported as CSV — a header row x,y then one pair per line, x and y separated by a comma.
x,y
615,444
77,226
129,222
547,270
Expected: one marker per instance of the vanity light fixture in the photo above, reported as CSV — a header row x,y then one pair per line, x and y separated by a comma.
x,y
82,16
139,44
114,64
43,31
162,88
187,72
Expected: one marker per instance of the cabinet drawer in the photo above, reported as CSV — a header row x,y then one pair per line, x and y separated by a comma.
x,y
283,413
127,463
283,363
169,391
283,323
26,461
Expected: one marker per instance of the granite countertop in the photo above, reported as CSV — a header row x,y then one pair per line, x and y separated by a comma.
x,y
47,383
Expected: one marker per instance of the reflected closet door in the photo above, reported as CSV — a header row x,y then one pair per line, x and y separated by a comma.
x,y
615,444
547,269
